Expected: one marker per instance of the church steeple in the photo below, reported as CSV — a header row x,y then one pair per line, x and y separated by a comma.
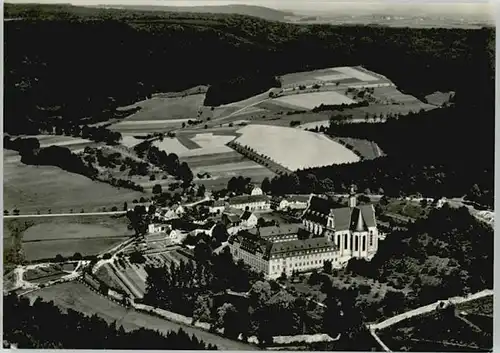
x,y
352,197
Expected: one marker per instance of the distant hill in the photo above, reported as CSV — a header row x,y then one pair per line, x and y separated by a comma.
x,y
249,10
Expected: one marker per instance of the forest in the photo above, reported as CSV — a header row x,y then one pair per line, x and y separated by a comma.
x,y
84,63
43,326
409,258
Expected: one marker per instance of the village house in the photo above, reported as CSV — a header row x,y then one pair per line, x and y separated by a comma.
x,y
294,202
256,191
250,202
179,210
248,220
217,206
352,229
234,217
155,228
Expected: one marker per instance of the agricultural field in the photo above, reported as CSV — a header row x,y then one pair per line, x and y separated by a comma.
x,y
314,99
147,126
73,143
160,108
294,148
48,273
201,143
50,249
40,188
341,75
130,141
78,297
88,235
438,332
439,98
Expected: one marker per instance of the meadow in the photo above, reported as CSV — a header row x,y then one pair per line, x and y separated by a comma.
x,y
160,108
39,250
33,189
341,75
315,99
294,148
44,238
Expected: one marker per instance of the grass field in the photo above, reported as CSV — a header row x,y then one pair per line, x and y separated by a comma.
x,y
199,144
130,141
343,75
198,162
47,237
76,296
49,249
294,148
163,108
66,230
73,143
315,99
40,188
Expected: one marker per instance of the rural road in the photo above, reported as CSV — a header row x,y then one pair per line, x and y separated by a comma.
x,y
66,214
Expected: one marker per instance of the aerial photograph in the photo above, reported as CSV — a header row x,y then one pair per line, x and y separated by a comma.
x,y
248,175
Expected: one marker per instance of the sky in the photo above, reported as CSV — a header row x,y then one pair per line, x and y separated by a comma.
x,y
463,7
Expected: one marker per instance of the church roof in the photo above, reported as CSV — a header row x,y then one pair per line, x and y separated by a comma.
x,y
255,244
298,245
244,199
246,215
345,218
284,229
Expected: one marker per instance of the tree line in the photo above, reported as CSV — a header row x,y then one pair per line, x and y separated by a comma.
x,y
43,326
62,157
168,162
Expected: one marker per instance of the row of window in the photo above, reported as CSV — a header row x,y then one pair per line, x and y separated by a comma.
x,y
356,242
302,264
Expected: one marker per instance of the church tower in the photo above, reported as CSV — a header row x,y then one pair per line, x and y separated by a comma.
x,y
352,197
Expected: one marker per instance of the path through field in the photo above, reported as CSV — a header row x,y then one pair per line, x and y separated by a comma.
x,y
65,214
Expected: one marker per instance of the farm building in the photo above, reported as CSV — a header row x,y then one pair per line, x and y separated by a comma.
x,y
217,206
296,202
248,219
352,229
155,228
251,203
178,209
233,217
256,191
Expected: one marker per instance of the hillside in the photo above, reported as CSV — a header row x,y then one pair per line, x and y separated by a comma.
x,y
124,56
247,10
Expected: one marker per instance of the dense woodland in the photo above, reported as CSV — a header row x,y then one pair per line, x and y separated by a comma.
x,y
413,258
43,326
199,291
117,57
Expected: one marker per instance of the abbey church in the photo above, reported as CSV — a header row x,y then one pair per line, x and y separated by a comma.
x,y
352,229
